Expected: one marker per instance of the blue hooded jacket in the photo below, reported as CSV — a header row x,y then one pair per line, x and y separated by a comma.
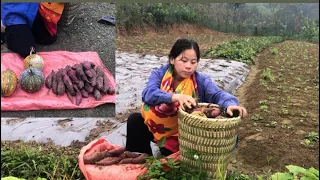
x,y
18,13
208,91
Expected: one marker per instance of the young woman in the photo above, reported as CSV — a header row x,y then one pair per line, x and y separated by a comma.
x,y
173,85
25,24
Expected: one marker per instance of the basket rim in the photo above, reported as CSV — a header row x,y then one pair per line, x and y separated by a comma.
x,y
182,112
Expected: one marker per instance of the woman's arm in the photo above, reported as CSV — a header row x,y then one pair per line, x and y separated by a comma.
x,y
213,94
152,95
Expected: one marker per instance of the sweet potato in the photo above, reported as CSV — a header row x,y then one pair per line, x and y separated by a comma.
x,y
70,97
77,66
88,87
94,157
199,113
72,75
220,117
117,151
100,83
122,156
78,95
99,71
131,154
140,159
64,71
126,161
78,98
84,93
111,90
79,72
69,85
93,80
97,94
80,84
49,80
213,112
92,65
90,72
107,88
61,89
108,161
68,67
76,88
86,65
54,84
210,112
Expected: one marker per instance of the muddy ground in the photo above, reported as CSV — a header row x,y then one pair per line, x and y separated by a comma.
x,y
281,113
83,34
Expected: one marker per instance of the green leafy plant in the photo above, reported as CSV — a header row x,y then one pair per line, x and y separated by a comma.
x,y
157,171
267,75
284,110
263,84
236,175
296,172
269,158
310,31
242,49
31,163
313,136
256,117
264,108
275,51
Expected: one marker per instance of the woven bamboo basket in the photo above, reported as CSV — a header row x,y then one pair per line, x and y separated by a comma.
x,y
70,12
212,140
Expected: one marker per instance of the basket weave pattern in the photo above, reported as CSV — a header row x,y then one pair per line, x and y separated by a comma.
x,y
70,11
212,139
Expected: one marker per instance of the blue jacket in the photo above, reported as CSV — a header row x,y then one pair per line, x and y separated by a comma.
x,y
209,92
18,13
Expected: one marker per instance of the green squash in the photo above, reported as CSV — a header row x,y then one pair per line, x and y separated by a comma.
x,y
31,80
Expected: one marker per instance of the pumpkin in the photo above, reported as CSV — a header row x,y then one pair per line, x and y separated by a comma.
x,y
8,82
33,61
31,80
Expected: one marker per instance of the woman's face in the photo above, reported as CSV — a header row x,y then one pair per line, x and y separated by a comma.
x,y
185,64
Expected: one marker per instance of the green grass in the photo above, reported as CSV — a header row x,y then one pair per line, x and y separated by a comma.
x,y
32,163
242,49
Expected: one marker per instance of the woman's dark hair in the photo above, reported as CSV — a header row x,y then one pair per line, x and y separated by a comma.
x,y
183,44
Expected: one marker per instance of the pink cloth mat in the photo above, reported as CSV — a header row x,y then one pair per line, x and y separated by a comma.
x,y
45,99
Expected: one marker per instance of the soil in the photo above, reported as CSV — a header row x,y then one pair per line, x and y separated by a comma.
x,y
148,40
272,137
83,34
293,107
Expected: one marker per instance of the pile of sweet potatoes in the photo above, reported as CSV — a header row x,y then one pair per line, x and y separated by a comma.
x,y
79,81
114,156
208,111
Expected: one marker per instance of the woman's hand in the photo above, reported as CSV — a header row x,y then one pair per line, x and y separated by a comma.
x,y
242,111
184,100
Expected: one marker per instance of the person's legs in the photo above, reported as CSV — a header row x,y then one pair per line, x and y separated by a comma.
x,y
40,32
19,39
138,135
